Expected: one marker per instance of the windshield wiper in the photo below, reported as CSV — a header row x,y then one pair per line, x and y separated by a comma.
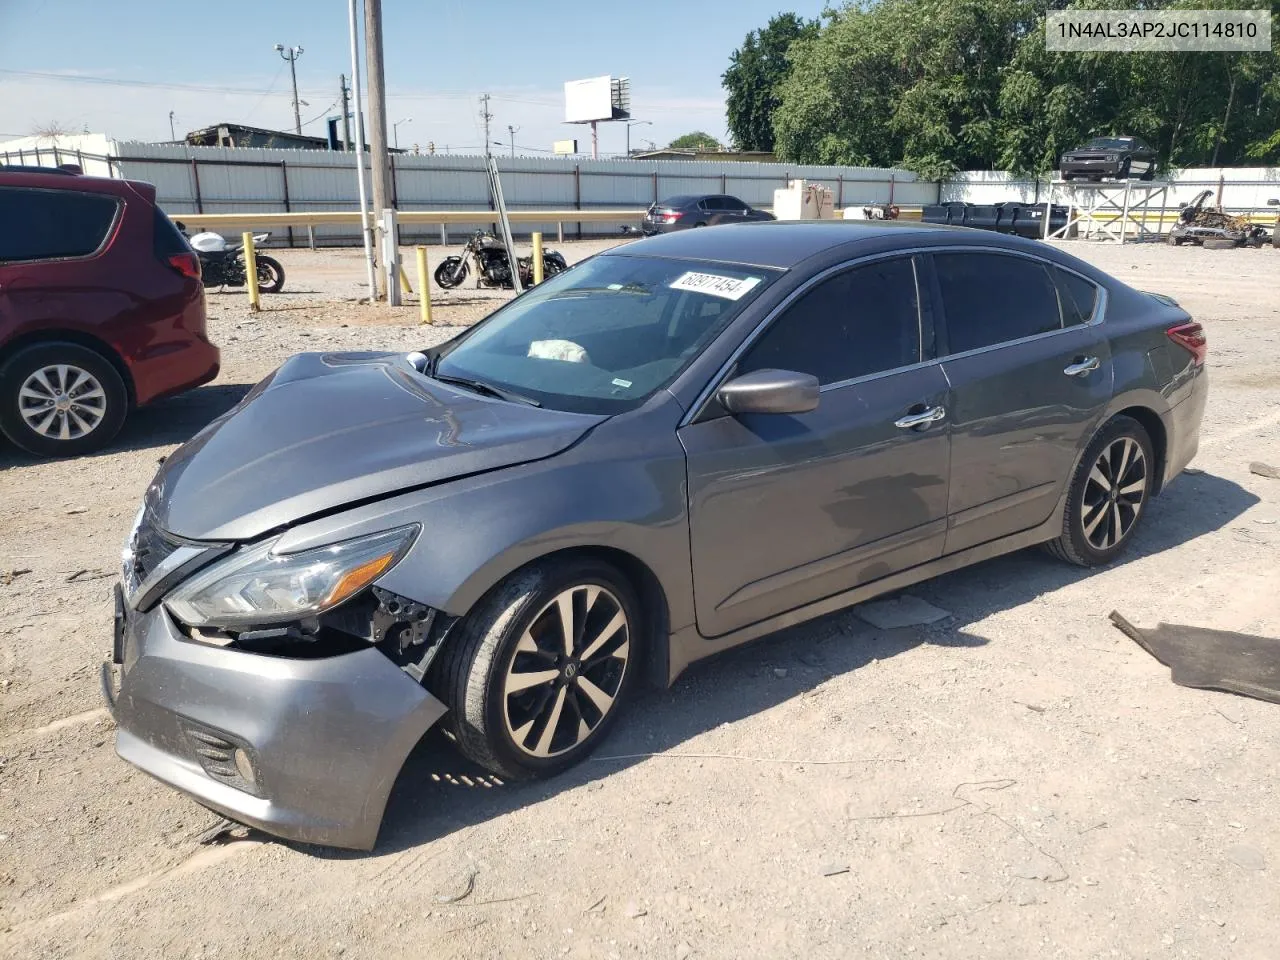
x,y
479,386
634,289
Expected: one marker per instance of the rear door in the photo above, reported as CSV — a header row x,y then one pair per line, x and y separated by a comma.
x,y
45,238
711,210
786,510
1030,372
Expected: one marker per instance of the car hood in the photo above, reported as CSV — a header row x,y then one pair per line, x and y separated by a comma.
x,y
328,430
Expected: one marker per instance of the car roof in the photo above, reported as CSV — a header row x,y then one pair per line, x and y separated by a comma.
x,y
784,244
11,177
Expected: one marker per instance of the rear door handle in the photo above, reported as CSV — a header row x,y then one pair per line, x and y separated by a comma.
x,y
1082,367
922,419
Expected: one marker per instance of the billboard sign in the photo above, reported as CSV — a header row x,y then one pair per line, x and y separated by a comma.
x,y
563,147
597,98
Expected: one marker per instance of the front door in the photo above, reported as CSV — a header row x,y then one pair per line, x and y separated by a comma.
x,y
1030,375
786,510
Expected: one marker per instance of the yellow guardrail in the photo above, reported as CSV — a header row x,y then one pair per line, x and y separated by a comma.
x,y
297,218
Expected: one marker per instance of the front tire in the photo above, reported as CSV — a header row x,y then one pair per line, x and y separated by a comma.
x,y
270,274
61,400
1108,495
541,668
444,273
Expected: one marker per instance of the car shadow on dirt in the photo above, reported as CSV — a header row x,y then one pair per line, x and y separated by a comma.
x,y
161,424
439,793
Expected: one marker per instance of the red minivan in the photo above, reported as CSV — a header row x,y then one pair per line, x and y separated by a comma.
x,y
101,308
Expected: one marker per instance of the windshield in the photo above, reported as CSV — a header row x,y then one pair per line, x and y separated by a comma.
x,y
602,337
1112,143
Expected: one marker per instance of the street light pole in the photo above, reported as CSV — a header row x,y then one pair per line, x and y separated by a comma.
x,y
292,54
172,135
395,130
512,132
635,123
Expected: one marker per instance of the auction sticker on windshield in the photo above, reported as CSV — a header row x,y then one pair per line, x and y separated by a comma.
x,y
731,288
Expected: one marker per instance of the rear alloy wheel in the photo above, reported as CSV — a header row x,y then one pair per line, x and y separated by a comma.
x,y
541,667
270,274
1110,490
60,399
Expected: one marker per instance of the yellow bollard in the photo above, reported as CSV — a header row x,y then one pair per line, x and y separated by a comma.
x,y
251,271
404,282
424,285
537,258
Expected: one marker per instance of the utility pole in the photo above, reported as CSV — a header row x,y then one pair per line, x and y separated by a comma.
x,y
379,159
172,135
292,54
344,93
486,116
511,132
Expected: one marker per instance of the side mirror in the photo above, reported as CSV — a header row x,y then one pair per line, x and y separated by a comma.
x,y
770,391
1274,202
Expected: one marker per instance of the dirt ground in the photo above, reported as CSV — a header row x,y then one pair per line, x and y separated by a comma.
x,y
1017,780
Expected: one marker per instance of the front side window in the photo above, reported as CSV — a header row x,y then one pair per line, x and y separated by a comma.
x,y
602,337
53,224
992,298
862,321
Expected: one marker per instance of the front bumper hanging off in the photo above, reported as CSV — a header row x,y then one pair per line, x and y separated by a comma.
x,y
303,749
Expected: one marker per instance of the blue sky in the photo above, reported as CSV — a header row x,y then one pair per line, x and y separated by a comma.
x,y
214,61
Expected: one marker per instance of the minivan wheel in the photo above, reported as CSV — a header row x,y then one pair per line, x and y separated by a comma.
x,y
1108,495
541,667
61,400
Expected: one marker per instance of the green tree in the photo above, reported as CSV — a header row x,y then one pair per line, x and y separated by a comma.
x,y
756,70
945,85
697,140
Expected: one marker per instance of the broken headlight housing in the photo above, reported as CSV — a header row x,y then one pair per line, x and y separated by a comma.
x,y
256,587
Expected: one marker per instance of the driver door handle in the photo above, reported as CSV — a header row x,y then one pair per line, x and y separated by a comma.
x,y
1082,367
922,419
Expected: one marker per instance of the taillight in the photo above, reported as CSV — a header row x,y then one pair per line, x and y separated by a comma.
x,y
671,217
1190,336
187,264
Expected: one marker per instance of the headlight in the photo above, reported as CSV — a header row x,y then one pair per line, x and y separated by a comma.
x,y
254,587
1113,157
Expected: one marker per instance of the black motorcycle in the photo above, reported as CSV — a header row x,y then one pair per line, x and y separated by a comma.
x,y
493,268
225,267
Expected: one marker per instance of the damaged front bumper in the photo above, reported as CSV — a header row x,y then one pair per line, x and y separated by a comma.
x,y
306,749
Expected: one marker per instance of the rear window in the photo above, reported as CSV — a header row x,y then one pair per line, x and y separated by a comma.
x,y
1077,296
168,240
53,224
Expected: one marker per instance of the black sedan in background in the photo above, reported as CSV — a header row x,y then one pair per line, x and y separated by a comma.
x,y
697,210
1117,157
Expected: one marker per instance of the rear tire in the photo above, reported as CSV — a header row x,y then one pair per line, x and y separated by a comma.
x,y
507,680
61,400
1220,243
1103,508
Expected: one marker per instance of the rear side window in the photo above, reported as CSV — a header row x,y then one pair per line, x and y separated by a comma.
x,y
53,224
712,203
1078,297
862,321
167,241
991,299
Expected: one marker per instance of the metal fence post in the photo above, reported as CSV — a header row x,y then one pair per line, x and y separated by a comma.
x,y
391,256
577,179
251,271
284,182
195,179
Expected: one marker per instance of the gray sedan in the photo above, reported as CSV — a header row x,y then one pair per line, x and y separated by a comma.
x,y
672,448
697,210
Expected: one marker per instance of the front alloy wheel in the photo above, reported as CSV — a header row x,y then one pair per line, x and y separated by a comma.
x,y
566,671
537,672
